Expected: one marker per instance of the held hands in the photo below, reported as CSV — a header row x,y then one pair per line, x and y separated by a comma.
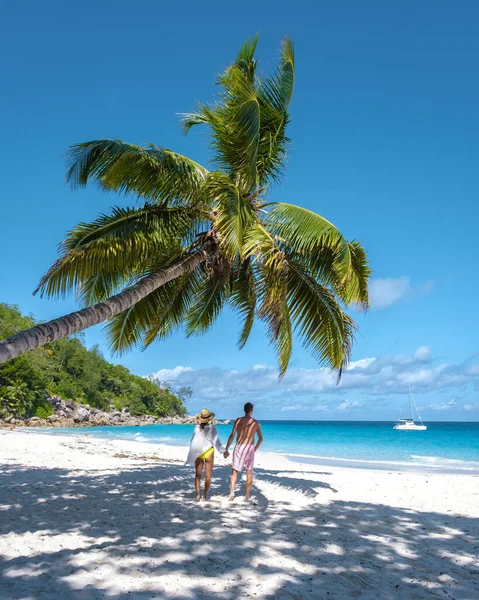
x,y
226,453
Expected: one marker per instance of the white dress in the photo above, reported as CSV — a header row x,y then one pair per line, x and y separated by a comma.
x,y
202,440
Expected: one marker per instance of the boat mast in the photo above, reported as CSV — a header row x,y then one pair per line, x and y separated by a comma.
x,y
415,406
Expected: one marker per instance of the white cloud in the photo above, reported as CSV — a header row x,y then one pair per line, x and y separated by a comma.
x,y
374,378
421,376
442,406
319,408
423,353
170,375
293,407
360,364
388,290
470,407
347,404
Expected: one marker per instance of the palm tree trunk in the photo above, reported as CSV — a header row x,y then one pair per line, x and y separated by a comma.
x,y
98,313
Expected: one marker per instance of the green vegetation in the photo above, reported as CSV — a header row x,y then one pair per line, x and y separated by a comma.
x,y
67,369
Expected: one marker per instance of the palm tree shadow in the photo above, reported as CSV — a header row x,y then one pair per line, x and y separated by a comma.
x,y
136,533
303,485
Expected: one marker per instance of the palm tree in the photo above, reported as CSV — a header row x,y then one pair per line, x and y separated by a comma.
x,y
203,239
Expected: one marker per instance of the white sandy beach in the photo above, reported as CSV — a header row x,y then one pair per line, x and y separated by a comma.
x,y
88,518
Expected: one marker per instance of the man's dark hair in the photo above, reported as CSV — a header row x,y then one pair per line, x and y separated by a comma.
x,y
248,407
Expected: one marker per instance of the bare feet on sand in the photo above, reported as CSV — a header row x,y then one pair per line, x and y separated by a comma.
x,y
231,498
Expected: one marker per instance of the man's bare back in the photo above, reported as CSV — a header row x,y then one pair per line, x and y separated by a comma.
x,y
246,428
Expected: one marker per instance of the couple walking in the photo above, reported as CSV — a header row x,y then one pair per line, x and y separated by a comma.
x,y
205,439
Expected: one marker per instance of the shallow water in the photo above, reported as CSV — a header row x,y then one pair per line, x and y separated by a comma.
x,y
442,445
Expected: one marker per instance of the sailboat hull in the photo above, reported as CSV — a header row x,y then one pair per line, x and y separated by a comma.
x,y
410,427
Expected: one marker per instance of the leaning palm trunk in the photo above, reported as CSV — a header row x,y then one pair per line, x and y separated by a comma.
x,y
87,317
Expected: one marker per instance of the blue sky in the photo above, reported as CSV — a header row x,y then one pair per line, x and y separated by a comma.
x,y
386,146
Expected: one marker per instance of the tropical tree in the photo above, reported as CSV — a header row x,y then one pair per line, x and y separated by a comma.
x,y
202,239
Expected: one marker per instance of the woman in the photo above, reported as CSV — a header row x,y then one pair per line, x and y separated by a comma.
x,y
202,450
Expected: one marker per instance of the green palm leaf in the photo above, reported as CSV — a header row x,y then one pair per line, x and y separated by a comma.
x,y
305,232
175,309
325,329
355,288
211,296
275,312
245,59
115,249
151,221
154,317
277,91
154,173
235,123
243,298
233,213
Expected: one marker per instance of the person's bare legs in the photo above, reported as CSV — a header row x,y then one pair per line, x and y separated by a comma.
x,y
199,472
249,484
209,462
233,478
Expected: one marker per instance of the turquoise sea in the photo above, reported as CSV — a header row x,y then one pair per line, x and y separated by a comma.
x,y
443,446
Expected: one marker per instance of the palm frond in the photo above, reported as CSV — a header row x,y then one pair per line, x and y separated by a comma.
x,y
274,310
245,59
326,330
272,150
243,298
211,296
164,223
277,90
175,309
274,95
154,317
260,246
99,287
120,246
236,127
305,232
154,173
281,336
233,213
189,120
355,288
248,122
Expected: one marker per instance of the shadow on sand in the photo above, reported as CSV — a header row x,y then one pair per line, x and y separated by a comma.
x,y
140,526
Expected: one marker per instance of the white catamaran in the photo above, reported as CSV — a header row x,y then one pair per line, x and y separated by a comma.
x,y
409,424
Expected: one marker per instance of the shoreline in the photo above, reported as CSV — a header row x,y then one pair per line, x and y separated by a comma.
x,y
88,517
423,464
398,466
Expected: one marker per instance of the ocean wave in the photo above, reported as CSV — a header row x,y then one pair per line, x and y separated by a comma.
x,y
441,461
138,437
436,462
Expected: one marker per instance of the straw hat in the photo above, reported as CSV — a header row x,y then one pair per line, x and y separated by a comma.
x,y
205,416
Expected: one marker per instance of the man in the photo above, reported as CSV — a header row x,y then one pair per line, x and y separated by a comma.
x,y
245,428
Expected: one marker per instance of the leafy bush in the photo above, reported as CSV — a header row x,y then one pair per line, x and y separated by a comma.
x,y
67,369
43,412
